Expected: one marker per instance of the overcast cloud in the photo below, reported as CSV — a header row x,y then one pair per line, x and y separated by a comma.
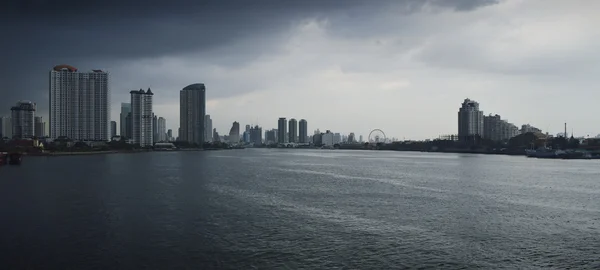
x,y
347,66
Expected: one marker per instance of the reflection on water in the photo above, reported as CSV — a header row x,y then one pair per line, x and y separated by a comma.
x,y
317,209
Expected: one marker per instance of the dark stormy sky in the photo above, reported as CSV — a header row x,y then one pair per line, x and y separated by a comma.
x,y
403,66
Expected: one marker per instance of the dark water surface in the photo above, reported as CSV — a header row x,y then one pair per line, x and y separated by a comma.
x,y
291,209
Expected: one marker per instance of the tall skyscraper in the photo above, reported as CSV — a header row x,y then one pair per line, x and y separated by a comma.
x,y
192,109
256,135
23,120
113,128
216,137
154,128
125,110
351,138
162,129
208,135
303,128
470,120
234,133
293,130
282,130
40,127
170,135
141,117
5,127
129,126
79,104
271,136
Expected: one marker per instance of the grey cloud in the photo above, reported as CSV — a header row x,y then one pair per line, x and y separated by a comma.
x,y
86,34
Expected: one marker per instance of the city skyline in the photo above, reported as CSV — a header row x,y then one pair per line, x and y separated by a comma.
x,y
346,68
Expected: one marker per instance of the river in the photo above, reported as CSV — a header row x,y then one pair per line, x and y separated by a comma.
x,y
299,209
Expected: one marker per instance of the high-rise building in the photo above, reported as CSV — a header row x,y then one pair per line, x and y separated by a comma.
x,y
529,128
23,120
470,120
40,127
234,133
192,109
155,128
162,129
351,138
327,138
79,104
113,128
271,136
141,117
247,128
5,127
303,128
216,137
256,135
129,126
170,135
492,127
208,129
125,110
337,138
497,129
292,130
282,130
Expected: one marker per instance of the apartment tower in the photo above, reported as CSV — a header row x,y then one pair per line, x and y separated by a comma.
x,y
79,104
141,117
192,110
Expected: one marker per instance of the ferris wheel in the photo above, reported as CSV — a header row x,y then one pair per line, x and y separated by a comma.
x,y
377,136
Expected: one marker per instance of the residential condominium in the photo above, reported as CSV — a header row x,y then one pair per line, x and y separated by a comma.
x,y
282,130
23,120
470,120
497,129
141,117
5,127
208,129
162,129
303,128
40,127
292,130
79,104
125,110
192,110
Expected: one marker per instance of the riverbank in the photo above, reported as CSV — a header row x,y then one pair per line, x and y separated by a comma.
x,y
52,154
84,153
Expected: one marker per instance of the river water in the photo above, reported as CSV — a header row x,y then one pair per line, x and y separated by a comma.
x,y
299,209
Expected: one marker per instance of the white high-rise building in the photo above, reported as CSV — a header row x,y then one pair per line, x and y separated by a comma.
x,y
497,129
141,117
470,120
192,109
79,104
162,129
23,120
208,129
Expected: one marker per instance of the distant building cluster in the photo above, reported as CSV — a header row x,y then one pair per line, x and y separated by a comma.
x,y
79,109
472,123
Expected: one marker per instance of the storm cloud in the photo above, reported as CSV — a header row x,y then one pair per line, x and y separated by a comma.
x,y
366,63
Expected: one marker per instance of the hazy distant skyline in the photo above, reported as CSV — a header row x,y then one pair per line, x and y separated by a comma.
x,y
347,66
